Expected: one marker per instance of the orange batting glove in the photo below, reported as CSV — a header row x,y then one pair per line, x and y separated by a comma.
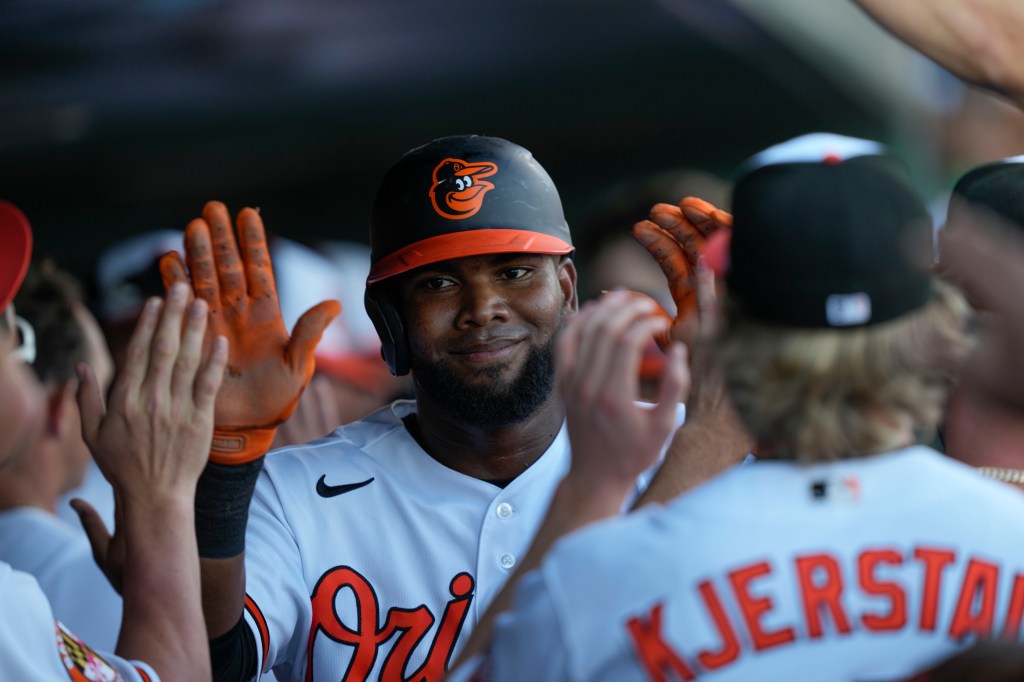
x,y
676,236
266,370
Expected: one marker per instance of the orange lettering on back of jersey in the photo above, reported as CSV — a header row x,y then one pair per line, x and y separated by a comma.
x,y
730,650
1015,612
976,606
935,560
655,654
754,608
867,563
821,587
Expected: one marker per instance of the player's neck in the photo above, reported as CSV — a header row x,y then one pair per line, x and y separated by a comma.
x,y
24,488
486,452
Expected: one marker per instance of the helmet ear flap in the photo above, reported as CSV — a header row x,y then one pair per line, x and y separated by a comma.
x,y
394,347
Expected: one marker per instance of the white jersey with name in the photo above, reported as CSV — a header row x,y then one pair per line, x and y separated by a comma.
x,y
36,648
60,558
366,559
868,569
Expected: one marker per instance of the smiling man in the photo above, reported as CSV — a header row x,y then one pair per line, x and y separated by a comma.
x,y
370,554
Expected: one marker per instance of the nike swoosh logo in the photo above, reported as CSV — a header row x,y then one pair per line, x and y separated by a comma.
x,y
324,490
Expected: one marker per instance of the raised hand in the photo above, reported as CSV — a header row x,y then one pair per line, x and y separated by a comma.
x,y
267,370
676,237
613,438
154,439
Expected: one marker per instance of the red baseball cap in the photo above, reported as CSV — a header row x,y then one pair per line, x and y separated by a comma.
x,y
15,250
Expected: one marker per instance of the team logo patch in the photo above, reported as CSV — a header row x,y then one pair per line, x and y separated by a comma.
x,y
82,663
459,187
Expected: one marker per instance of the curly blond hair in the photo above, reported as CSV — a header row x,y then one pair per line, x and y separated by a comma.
x,y
824,394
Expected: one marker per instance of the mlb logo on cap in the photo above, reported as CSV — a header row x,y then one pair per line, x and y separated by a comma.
x,y
845,310
828,232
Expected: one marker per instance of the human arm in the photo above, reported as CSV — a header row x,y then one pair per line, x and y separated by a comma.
x,y
613,438
712,438
151,443
267,371
978,40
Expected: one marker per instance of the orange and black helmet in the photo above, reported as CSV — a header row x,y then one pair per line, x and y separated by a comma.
x,y
465,195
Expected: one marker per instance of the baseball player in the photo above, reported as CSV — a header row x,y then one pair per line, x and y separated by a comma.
x,y
161,418
845,552
371,553
33,538
975,430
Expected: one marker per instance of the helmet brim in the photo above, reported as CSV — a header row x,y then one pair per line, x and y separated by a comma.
x,y
462,244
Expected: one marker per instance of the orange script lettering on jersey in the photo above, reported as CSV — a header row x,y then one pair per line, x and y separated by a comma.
x,y
366,636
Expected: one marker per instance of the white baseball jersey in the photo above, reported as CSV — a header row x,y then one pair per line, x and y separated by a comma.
x,y
868,569
36,648
60,558
366,559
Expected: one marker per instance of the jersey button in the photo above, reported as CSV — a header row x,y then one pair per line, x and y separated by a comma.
x,y
504,510
507,560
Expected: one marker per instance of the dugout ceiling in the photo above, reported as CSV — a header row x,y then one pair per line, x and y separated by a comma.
x,y
125,116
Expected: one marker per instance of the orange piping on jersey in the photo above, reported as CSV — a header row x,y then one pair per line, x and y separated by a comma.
x,y
261,623
143,674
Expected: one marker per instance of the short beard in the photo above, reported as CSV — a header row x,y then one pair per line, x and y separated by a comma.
x,y
492,403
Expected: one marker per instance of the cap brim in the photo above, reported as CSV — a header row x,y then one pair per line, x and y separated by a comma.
x,y
463,244
15,251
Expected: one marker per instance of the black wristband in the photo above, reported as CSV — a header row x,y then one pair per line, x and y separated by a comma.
x,y
223,495
233,654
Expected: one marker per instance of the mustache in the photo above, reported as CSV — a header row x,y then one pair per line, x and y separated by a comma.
x,y
487,337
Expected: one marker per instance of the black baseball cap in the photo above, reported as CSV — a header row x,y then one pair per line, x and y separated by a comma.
x,y
997,186
828,232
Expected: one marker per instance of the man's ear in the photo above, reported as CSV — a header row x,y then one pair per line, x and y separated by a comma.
x,y
60,400
567,281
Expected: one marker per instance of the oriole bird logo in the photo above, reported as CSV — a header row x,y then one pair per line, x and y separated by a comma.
x,y
459,187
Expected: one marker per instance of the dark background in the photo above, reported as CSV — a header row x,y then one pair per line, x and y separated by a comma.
x,y
120,117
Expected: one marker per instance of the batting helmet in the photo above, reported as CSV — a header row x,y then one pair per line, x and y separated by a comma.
x,y
459,196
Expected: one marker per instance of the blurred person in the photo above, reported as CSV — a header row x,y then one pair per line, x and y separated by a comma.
x,y
983,252
152,445
610,258
351,378
978,430
33,538
126,276
845,551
